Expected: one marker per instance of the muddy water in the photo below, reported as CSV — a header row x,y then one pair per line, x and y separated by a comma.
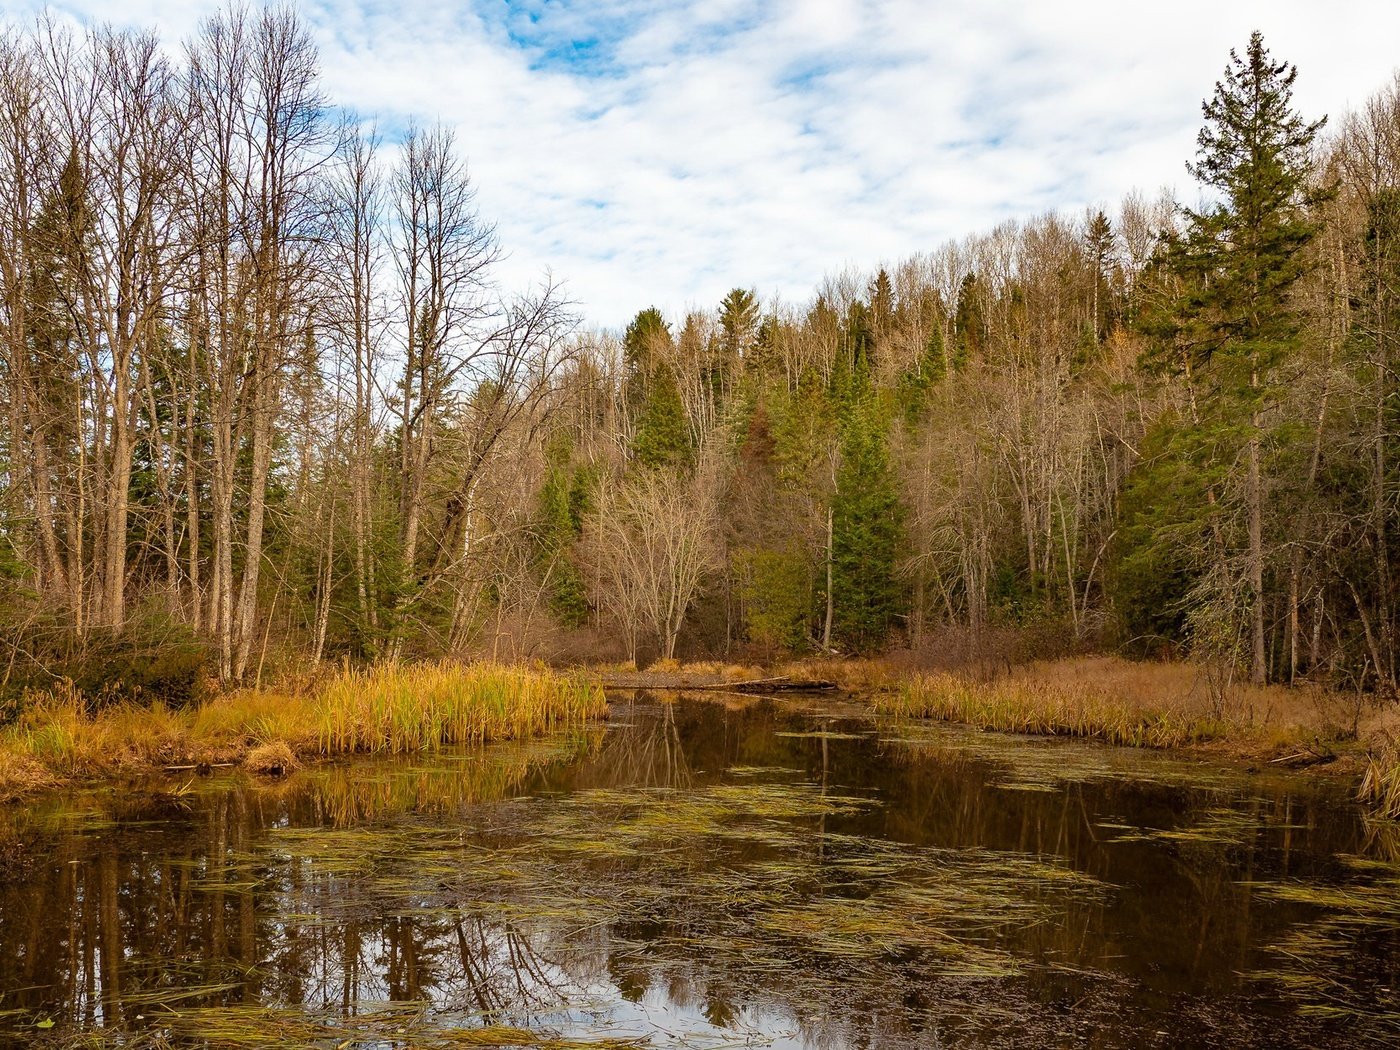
x,y
708,874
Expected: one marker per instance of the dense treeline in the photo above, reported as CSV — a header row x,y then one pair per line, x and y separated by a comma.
x,y
262,395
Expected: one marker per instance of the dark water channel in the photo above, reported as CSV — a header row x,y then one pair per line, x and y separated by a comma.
x,y
703,873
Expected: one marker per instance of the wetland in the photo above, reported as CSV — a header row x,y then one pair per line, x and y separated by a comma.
x,y
707,871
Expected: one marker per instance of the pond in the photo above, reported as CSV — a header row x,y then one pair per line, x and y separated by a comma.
x,y
708,872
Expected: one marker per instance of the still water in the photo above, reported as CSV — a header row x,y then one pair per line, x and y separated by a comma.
x,y
708,873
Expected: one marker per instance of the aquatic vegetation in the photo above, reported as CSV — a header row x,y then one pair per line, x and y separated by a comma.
x,y
1330,966
689,876
258,1027
1042,764
1217,826
1015,705
729,868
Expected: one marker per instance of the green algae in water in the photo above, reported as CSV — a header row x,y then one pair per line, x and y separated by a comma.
x,y
1048,763
395,1025
715,864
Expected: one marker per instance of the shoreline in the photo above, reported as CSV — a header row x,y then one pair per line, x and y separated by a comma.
x,y
419,708
396,709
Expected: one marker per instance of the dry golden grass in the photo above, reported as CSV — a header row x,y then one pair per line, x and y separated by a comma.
x,y
59,732
1116,700
250,717
21,775
1380,786
398,708
421,707
273,759
864,675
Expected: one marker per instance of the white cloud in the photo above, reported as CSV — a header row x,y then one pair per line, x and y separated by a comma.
x,y
689,146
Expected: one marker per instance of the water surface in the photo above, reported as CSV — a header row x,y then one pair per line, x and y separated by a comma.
x,y
708,873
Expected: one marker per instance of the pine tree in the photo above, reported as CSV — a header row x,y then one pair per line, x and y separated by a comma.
x,y
968,324
738,321
867,532
881,315
663,433
1098,242
1237,262
771,572
643,350
559,521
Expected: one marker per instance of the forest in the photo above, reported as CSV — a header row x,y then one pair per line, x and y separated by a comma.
x,y
264,402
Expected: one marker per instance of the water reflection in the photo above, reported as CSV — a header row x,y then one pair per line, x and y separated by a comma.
x,y
699,874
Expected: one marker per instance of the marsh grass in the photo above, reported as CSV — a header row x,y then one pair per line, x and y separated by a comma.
x,y
420,708
60,732
389,708
1087,707
1380,785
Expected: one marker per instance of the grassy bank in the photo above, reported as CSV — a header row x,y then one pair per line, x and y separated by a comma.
x,y
388,708
1380,786
1158,705
1051,709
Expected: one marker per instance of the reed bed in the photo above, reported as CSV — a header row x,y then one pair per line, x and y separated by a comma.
x,y
388,708
1048,708
420,708
1380,786
60,733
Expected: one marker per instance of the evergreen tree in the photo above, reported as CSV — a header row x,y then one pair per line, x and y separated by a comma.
x,y
559,521
968,324
867,532
763,354
930,368
1098,242
771,572
738,321
1238,261
858,341
643,351
663,433
881,311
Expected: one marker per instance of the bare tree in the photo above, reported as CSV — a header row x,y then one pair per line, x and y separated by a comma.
x,y
651,546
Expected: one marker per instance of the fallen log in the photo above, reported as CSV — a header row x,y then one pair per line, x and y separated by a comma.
x,y
783,683
780,684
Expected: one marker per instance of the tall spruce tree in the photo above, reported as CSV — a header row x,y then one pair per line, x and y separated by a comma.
x,y
867,530
1237,260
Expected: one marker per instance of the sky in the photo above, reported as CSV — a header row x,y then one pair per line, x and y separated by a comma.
x,y
661,153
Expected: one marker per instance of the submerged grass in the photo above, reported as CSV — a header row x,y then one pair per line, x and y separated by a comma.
x,y
255,1027
732,869
1330,966
389,708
